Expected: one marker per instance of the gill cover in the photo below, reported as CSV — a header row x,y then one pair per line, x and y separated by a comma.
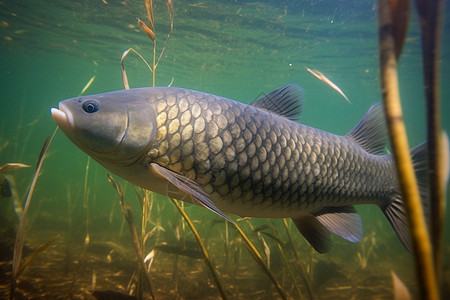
x,y
117,126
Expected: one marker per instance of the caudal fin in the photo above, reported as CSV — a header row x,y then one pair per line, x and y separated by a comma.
x,y
395,210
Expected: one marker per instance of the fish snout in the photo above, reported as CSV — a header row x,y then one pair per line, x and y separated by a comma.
x,y
62,117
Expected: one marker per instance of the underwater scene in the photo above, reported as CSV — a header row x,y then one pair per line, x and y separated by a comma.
x,y
86,233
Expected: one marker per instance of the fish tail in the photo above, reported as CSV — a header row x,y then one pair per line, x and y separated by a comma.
x,y
395,210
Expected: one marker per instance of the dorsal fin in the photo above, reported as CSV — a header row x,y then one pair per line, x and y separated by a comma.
x,y
370,133
286,101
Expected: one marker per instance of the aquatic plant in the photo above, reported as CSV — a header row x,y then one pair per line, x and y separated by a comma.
x,y
149,30
367,245
431,22
18,265
271,232
8,187
258,258
303,273
392,32
203,248
126,211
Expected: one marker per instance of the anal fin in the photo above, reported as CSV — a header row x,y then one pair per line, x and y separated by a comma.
x,y
314,232
343,221
189,187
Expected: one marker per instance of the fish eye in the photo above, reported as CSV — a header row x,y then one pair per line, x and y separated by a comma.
x,y
90,106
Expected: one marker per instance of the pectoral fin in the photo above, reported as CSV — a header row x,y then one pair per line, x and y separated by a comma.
x,y
189,187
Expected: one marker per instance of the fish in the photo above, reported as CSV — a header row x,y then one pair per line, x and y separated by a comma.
x,y
251,160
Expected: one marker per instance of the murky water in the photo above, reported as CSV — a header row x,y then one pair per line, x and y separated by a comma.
x,y
237,49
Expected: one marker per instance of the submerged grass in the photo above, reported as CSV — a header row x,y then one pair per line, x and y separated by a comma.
x,y
126,211
18,266
204,251
431,15
392,33
149,30
257,256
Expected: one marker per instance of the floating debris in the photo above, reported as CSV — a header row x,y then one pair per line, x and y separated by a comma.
x,y
323,78
88,84
6,168
401,292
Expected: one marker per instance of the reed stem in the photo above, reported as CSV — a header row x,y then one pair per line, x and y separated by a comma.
x,y
260,261
404,167
431,20
299,262
18,245
203,249
126,211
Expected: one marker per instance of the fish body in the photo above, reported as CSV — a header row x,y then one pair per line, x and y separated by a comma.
x,y
250,160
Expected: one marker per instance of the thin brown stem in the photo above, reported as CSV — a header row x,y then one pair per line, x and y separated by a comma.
x,y
260,261
404,167
203,249
18,246
431,15
126,211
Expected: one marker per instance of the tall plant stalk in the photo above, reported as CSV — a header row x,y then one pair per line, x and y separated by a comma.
x,y
203,249
431,20
149,30
126,211
257,256
303,274
20,236
389,53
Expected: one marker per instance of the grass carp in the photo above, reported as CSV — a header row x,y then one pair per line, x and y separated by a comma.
x,y
250,160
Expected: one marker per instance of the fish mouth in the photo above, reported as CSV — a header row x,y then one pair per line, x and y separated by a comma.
x,y
62,117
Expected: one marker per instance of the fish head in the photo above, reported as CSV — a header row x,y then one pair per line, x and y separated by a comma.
x,y
116,127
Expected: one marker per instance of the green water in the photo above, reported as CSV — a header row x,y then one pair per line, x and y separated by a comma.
x,y
237,49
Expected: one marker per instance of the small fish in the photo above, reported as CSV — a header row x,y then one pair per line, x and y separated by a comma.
x,y
250,160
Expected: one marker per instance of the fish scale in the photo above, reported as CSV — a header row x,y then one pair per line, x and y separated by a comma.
x,y
272,160
250,160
